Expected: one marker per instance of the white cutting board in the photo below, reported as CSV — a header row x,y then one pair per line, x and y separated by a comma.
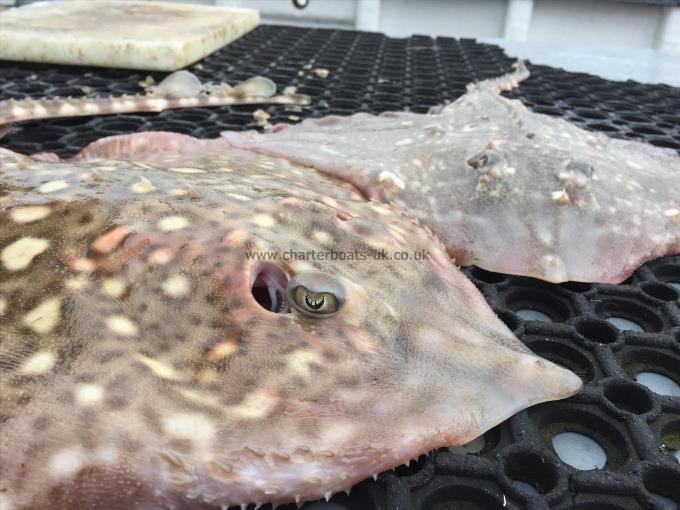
x,y
157,36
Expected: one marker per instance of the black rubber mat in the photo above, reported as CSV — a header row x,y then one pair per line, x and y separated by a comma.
x,y
515,465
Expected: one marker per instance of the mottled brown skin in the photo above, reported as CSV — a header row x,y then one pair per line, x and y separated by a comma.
x,y
150,377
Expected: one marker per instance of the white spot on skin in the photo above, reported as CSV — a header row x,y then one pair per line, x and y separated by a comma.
x,y
380,209
263,220
5,503
338,432
89,394
44,317
240,197
161,256
67,109
18,111
330,201
171,223
223,350
299,363
670,213
143,186
77,283
390,182
114,287
190,426
322,237
66,463
200,398
39,363
107,455
553,264
301,265
255,405
187,170
405,141
52,186
3,306
91,108
159,368
121,325
29,214
21,253
83,265
176,286
560,197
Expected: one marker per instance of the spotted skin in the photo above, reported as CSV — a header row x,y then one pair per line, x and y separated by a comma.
x,y
150,377
504,188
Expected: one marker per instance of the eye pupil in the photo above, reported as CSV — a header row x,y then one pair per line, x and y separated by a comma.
x,y
314,302
316,294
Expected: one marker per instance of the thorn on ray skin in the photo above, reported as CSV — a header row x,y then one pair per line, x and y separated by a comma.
x,y
328,495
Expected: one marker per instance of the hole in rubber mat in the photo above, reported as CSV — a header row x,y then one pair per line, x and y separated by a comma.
x,y
661,291
562,354
669,274
601,126
628,315
486,276
629,397
647,130
666,143
587,421
531,473
664,486
579,451
533,315
480,445
597,331
658,383
549,110
657,370
461,497
590,114
535,303
669,439
625,324
633,117
470,448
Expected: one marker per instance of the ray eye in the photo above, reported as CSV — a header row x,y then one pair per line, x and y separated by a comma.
x,y
316,294
315,302
485,159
